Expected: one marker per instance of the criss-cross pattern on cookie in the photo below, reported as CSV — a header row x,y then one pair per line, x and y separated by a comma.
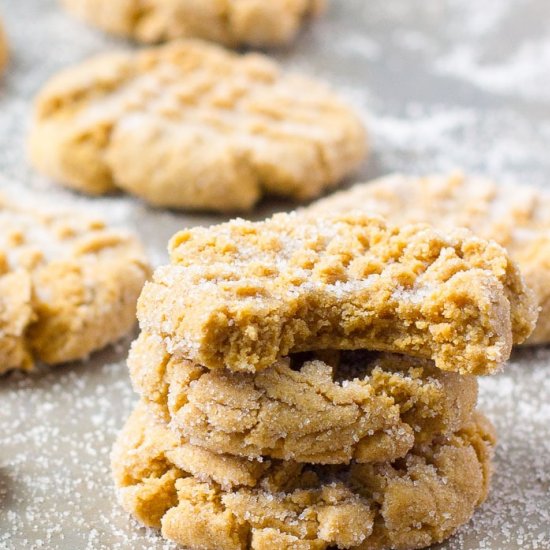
x,y
68,285
190,125
241,295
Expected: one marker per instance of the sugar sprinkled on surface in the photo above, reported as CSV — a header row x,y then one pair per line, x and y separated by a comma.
x,y
58,426
517,513
442,85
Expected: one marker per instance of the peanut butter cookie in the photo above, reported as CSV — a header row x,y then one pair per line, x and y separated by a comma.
x,y
329,408
229,22
3,48
242,295
190,125
517,217
68,285
208,501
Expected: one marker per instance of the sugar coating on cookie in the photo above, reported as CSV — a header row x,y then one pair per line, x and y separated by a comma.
x,y
241,295
3,48
191,125
515,216
68,285
239,504
325,407
231,22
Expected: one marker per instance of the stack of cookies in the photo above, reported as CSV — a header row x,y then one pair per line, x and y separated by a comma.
x,y
309,383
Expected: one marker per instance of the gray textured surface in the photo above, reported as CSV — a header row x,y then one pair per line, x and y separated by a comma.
x,y
443,84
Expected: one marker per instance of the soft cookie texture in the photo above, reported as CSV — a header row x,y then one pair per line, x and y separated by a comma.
x,y
331,407
3,48
229,22
191,125
242,295
515,216
204,500
68,285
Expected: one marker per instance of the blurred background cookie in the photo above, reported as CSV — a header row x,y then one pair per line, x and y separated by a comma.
x,y
68,284
3,47
515,216
193,126
231,22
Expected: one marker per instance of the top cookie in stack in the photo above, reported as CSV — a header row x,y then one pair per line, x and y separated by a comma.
x,y
242,295
309,383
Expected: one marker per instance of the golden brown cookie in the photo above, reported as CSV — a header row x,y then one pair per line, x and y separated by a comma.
x,y
329,408
229,22
68,285
517,217
3,48
216,502
191,125
241,295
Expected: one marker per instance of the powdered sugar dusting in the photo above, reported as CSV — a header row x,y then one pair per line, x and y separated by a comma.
x,y
56,485
443,85
517,513
479,55
57,427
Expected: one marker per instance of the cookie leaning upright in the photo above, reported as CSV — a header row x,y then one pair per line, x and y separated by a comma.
x,y
68,285
232,22
241,295
191,125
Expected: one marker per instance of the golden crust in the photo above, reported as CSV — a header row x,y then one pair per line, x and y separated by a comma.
x,y
515,216
329,408
231,22
68,285
241,295
191,125
412,503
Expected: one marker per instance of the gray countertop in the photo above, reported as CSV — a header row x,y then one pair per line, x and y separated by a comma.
x,y
442,84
